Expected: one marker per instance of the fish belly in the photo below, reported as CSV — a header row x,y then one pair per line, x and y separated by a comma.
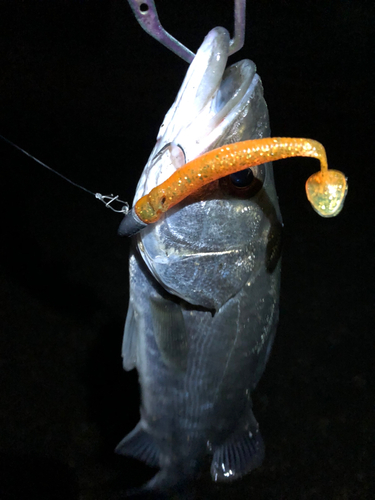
x,y
203,407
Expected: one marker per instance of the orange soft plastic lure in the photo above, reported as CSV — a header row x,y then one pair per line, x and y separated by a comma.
x,y
326,189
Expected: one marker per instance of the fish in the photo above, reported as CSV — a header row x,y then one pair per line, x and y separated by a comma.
x,y
204,284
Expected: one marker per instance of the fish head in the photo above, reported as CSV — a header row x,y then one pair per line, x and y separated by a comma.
x,y
210,245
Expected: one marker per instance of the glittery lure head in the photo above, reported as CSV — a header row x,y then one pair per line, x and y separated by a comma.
x,y
326,191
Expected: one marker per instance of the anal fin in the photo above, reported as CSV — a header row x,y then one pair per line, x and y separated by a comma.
x,y
140,445
240,454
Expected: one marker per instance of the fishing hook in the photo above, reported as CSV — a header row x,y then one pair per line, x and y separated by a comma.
x,y
147,16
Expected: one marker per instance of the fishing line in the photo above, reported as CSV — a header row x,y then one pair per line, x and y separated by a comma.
x,y
106,199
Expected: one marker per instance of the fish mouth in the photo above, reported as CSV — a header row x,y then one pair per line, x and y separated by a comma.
x,y
208,107
208,112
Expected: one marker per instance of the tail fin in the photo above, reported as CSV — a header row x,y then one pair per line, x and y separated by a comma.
x,y
165,485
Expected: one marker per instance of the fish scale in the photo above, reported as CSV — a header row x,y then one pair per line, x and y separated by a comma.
x,y
204,291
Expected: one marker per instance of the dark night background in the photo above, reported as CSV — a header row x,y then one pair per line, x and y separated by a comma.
x,y
84,89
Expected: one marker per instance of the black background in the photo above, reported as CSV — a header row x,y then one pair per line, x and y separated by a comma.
x,y
84,89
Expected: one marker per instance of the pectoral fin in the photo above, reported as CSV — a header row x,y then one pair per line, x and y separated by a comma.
x,y
129,341
170,332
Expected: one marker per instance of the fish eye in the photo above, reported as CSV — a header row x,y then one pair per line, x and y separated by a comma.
x,y
245,183
243,178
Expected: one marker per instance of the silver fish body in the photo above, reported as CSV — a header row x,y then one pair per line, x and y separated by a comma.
x,y
204,284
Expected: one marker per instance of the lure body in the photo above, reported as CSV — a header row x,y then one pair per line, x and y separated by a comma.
x,y
221,162
204,284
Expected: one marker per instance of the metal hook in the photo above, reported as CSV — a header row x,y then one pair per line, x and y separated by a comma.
x,y
147,16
